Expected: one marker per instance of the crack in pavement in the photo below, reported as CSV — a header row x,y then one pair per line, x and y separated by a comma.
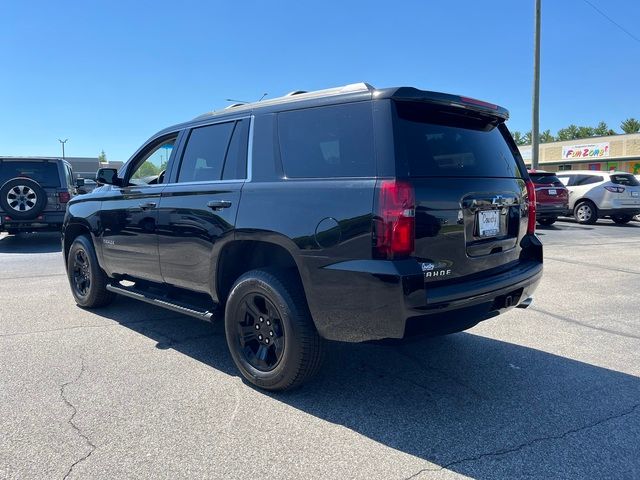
x,y
444,374
583,324
70,421
594,265
517,448
104,325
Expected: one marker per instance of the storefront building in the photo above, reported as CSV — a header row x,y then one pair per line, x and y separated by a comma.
x,y
614,152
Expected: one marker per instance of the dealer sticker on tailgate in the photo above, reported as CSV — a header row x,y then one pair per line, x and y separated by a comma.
x,y
488,223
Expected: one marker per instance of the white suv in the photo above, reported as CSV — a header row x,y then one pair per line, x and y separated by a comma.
x,y
595,194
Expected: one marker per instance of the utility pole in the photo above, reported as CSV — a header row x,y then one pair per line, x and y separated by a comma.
x,y
62,142
535,135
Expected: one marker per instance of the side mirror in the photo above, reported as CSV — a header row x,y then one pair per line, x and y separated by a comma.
x,y
107,176
79,182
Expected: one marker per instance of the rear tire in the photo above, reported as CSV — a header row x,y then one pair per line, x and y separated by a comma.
x,y
87,280
269,330
585,212
621,219
547,221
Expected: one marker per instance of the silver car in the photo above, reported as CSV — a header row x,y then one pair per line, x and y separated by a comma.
x,y
596,194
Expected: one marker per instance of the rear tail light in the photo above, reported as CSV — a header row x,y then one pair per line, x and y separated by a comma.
x,y
64,197
395,222
531,200
615,189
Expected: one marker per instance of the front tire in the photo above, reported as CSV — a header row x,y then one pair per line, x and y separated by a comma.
x,y
269,330
87,280
621,219
547,221
586,213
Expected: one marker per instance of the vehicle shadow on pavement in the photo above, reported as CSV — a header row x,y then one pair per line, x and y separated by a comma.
x,y
477,406
30,243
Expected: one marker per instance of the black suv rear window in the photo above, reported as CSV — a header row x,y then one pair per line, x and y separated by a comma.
x,y
433,142
45,173
325,142
545,179
625,180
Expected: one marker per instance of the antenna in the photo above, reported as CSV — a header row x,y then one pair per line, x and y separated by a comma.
x,y
263,95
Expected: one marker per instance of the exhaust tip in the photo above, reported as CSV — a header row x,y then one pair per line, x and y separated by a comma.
x,y
525,303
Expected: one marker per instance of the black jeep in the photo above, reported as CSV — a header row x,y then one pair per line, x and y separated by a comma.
x,y
348,214
34,193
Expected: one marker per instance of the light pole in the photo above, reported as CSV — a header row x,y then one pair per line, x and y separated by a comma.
x,y
536,89
62,142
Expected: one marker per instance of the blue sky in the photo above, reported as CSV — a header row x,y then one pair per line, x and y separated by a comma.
x,y
108,74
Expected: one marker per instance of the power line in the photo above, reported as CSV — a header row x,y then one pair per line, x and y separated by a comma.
x,y
612,20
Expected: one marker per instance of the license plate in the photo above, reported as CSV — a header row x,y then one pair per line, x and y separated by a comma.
x,y
635,194
489,223
553,191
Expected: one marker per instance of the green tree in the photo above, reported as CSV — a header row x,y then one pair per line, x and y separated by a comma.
x,y
546,137
527,138
147,169
568,133
517,137
102,158
603,130
630,125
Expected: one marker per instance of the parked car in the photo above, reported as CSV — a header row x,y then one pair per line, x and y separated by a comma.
x,y
637,217
34,193
348,214
552,197
85,185
597,194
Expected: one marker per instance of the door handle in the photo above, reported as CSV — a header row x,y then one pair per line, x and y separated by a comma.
x,y
147,205
218,204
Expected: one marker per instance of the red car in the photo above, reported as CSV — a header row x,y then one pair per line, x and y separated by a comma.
x,y
552,197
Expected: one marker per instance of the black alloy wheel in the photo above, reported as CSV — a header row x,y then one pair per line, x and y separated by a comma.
x,y
81,273
270,333
87,280
260,332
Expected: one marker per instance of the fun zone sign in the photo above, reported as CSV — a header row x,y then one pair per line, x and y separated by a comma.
x,y
591,150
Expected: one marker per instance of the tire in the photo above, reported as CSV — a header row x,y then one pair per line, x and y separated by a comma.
x,y
22,198
621,219
269,330
547,221
87,280
586,213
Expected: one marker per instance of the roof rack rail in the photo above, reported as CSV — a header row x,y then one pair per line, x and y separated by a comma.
x,y
233,105
295,92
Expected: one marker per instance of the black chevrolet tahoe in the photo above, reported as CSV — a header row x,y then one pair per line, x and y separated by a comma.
x,y
349,214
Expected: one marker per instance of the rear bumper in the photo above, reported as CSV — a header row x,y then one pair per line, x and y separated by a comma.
x,y
46,221
374,299
551,211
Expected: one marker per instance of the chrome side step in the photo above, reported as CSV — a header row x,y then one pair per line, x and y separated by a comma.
x,y
163,302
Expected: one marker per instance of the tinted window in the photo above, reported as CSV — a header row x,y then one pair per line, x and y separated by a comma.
x,y
625,180
545,179
204,154
235,164
335,141
432,142
587,179
45,173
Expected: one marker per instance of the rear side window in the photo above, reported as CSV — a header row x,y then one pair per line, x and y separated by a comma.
x,y
235,165
629,180
203,157
545,179
45,173
587,179
334,141
431,142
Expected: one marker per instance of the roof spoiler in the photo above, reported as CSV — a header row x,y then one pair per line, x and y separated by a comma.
x,y
467,103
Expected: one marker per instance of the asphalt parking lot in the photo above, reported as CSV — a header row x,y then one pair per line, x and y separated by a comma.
x,y
133,391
